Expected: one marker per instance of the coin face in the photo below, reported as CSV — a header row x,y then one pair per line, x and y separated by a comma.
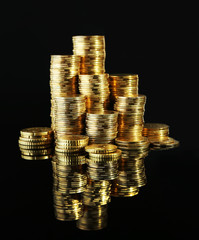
x,y
156,126
36,131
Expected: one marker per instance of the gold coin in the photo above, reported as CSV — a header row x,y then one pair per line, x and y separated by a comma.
x,y
36,157
36,131
101,148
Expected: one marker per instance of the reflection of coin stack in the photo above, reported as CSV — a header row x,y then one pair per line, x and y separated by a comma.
x,y
101,127
123,85
131,170
158,136
94,218
63,78
103,166
96,90
131,116
36,143
69,115
91,49
69,176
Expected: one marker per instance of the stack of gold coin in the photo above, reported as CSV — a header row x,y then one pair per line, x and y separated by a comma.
x,y
94,218
91,49
121,191
36,143
103,165
158,136
96,90
64,70
97,193
131,116
101,127
67,207
123,85
69,115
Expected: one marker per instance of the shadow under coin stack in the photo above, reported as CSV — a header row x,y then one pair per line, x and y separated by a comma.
x,y
158,136
96,90
123,85
69,115
63,78
131,170
36,143
101,127
97,193
69,175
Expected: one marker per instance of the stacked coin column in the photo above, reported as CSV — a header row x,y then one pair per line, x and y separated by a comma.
x,y
131,170
102,167
63,78
69,175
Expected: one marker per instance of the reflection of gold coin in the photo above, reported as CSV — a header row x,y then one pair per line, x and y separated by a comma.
x,y
36,157
101,148
36,131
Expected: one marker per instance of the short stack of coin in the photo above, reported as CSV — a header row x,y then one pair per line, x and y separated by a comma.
x,y
131,116
101,127
131,169
94,218
36,143
69,115
91,49
158,136
123,85
103,164
96,90
64,70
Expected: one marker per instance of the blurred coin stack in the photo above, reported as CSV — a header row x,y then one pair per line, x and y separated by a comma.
x,y
63,78
131,169
69,176
94,218
91,49
123,85
103,165
69,115
101,127
96,90
36,143
158,136
130,116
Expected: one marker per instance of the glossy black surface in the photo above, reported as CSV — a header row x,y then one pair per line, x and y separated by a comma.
x,y
160,43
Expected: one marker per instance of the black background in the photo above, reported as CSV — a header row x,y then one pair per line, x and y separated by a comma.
x,y
157,41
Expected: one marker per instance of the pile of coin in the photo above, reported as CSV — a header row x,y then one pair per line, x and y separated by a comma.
x,y
131,169
131,116
64,70
103,165
36,143
96,90
69,174
101,126
97,192
158,136
69,115
94,218
123,85
91,49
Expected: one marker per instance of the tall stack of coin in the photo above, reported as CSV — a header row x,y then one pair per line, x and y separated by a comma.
x,y
123,85
69,115
94,218
69,175
103,165
36,143
101,127
63,78
158,136
96,90
92,52
131,169
131,116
